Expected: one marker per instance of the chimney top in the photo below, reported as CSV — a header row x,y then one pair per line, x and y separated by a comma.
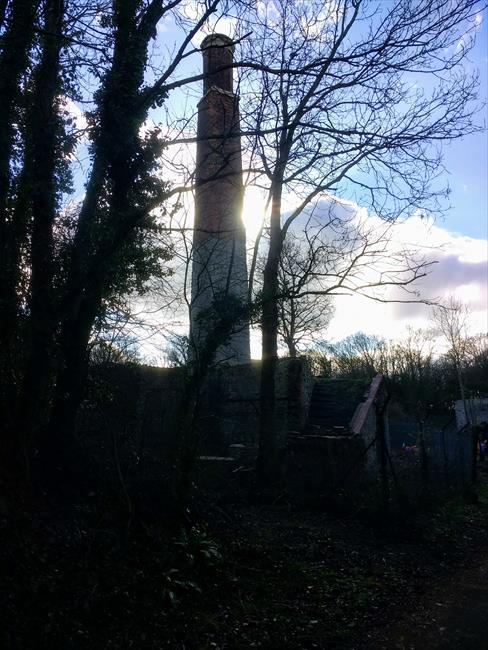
x,y
217,40
218,55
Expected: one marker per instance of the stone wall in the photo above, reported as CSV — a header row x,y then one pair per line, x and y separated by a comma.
x,y
323,465
366,425
343,458
135,403
230,406
141,402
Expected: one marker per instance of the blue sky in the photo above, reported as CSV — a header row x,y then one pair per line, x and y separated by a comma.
x,y
461,233
467,160
457,239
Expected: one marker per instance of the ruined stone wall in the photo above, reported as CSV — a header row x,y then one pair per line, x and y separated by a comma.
x,y
136,404
230,407
141,402
323,465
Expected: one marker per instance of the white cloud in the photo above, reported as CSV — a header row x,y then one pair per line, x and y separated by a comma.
x,y
461,269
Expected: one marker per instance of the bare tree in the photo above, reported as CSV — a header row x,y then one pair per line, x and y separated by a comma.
x,y
359,355
177,350
412,370
334,109
301,316
477,369
451,320
115,336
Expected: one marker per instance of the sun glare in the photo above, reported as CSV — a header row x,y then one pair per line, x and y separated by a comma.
x,y
253,211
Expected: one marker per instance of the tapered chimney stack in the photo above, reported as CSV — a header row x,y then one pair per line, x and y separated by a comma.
x,y
219,242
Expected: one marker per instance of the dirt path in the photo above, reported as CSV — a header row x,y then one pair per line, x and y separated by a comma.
x,y
453,615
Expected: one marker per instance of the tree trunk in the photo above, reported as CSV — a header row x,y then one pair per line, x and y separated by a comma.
x,y
59,449
105,208
114,149
267,455
38,199
44,125
292,348
13,64
14,60
3,11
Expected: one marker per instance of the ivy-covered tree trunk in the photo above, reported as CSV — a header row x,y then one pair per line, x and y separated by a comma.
x,y
15,44
107,209
14,58
41,158
3,11
58,447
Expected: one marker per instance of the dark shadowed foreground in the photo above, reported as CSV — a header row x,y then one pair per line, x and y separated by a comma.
x,y
452,614
270,577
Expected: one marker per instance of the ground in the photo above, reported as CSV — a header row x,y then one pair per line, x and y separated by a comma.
x,y
275,576
452,615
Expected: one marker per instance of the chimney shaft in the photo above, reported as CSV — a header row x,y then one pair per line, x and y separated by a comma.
x,y
218,52
219,265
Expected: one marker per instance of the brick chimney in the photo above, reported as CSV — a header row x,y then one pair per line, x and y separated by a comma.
x,y
219,241
218,52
